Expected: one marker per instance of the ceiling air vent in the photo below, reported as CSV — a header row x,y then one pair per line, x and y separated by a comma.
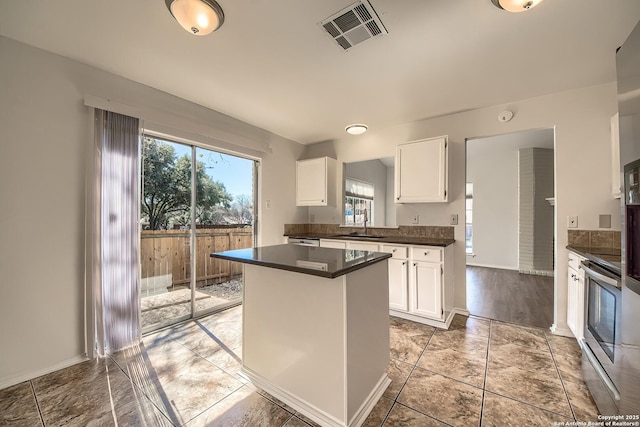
x,y
354,24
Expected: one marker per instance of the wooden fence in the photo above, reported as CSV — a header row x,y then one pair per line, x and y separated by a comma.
x,y
168,252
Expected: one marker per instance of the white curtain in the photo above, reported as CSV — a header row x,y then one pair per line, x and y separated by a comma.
x,y
116,215
356,188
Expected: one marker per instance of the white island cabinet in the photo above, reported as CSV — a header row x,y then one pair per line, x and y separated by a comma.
x,y
315,328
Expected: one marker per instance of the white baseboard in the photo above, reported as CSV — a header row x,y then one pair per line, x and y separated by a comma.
x,y
26,376
461,311
367,406
499,267
442,324
311,411
558,330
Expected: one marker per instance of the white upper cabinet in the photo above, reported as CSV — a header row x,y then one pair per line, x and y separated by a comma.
x,y
315,182
421,171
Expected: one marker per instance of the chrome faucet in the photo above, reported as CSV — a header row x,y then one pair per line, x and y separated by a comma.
x,y
366,218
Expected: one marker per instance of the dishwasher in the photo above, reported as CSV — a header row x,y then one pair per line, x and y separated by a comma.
x,y
304,241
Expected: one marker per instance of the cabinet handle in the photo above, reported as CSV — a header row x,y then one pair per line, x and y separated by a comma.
x,y
573,276
426,253
322,201
414,264
394,250
404,263
397,198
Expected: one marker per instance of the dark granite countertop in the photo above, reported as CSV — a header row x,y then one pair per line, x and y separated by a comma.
x,y
607,256
401,240
323,262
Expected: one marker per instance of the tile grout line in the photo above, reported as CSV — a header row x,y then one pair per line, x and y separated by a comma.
x,y
431,417
35,397
486,372
140,390
413,367
510,397
198,355
555,364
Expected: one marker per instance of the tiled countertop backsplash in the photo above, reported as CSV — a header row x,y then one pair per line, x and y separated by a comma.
x,y
433,232
595,238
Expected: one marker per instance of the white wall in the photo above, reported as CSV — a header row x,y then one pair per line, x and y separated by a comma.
x,y
581,119
492,168
391,206
46,132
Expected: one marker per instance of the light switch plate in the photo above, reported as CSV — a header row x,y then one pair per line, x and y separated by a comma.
x,y
572,222
453,219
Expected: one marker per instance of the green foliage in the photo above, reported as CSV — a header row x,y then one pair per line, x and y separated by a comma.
x,y
166,188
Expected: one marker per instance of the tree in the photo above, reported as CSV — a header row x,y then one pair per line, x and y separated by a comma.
x,y
241,211
167,187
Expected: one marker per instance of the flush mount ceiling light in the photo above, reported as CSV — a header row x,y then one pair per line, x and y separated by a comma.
x,y
516,5
356,129
199,17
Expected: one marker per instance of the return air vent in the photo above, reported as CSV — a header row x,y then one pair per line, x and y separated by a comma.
x,y
354,24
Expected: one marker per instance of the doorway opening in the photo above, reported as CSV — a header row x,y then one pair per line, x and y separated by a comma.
x,y
194,201
509,227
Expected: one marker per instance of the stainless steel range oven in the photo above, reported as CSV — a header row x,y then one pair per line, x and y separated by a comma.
x,y
601,344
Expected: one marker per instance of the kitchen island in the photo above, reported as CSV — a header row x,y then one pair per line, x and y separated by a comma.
x,y
315,328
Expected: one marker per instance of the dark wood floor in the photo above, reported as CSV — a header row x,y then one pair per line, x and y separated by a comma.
x,y
509,296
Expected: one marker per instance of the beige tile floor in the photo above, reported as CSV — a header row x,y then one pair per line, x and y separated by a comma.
x,y
477,373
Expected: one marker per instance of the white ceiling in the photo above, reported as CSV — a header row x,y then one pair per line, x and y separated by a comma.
x,y
271,65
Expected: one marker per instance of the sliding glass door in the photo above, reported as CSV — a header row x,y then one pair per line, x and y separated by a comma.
x,y
224,221
194,201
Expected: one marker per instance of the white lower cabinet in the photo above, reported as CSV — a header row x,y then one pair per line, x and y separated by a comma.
x,y
575,296
426,289
398,298
420,279
329,243
420,282
363,246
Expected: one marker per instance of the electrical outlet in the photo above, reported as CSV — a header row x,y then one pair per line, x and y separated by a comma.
x,y
268,203
416,219
572,222
312,218
453,219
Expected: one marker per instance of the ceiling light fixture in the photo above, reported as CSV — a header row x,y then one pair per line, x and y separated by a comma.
x,y
516,5
199,17
356,129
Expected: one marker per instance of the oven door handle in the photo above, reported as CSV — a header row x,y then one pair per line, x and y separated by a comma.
x,y
601,373
599,276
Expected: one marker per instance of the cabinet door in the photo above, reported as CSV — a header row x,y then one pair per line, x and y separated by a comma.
x,y
426,289
421,171
363,246
398,284
311,182
572,301
580,306
337,244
